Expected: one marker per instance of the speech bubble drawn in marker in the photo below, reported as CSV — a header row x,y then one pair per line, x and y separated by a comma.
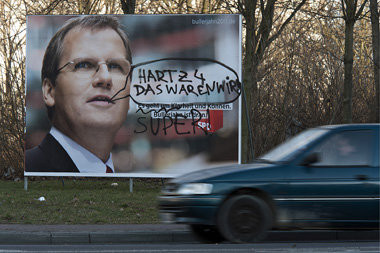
x,y
182,80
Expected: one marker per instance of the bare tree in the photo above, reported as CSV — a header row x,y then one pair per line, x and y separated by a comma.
x,y
350,16
302,76
299,80
376,51
259,17
12,61
182,6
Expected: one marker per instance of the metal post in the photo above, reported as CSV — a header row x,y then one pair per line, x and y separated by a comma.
x,y
25,183
131,185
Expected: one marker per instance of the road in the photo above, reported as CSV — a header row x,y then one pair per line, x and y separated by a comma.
x,y
304,247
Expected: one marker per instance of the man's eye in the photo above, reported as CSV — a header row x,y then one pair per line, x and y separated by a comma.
x,y
84,65
114,66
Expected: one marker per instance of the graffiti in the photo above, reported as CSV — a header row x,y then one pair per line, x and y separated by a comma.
x,y
167,121
227,85
155,88
165,84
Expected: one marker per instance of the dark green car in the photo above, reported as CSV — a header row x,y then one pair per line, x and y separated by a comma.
x,y
325,177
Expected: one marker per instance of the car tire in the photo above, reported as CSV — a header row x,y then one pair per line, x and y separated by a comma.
x,y
206,233
244,218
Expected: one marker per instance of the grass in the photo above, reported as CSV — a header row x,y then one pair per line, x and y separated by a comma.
x,y
84,201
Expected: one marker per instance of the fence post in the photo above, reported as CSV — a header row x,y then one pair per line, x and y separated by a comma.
x,y
25,183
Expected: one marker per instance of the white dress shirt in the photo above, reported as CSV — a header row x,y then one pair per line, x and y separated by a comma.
x,y
85,161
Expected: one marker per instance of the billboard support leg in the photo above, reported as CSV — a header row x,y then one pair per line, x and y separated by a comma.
x,y
131,185
25,183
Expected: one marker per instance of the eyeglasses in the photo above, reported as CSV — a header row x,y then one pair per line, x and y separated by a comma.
x,y
86,67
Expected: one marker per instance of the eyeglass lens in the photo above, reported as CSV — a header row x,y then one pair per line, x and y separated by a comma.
x,y
86,67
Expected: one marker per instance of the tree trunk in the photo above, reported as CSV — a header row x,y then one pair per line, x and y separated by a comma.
x,y
348,65
376,52
350,17
257,41
128,6
249,83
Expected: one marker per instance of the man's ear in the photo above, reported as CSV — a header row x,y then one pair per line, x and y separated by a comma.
x,y
48,90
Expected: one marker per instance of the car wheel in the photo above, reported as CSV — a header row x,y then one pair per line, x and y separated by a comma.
x,y
206,233
244,218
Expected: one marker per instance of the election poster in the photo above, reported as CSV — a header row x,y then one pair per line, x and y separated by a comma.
x,y
132,95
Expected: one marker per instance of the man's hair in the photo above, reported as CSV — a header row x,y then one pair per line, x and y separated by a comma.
x,y
54,49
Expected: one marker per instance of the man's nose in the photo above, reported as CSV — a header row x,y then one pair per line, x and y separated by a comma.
x,y
103,77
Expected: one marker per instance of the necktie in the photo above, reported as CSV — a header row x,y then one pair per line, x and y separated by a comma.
x,y
108,170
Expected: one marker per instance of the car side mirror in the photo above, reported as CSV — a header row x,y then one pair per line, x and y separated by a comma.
x,y
310,159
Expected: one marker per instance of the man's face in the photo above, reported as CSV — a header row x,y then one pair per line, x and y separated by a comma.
x,y
81,102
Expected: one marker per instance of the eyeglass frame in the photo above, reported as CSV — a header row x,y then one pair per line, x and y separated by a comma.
x,y
98,63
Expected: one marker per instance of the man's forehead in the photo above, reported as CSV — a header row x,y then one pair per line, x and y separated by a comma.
x,y
84,38
79,32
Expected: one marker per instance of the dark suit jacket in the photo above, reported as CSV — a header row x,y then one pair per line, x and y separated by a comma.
x,y
49,156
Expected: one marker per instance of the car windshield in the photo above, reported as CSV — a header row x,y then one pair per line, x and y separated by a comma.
x,y
286,151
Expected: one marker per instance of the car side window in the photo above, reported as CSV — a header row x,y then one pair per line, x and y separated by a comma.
x,y
349,148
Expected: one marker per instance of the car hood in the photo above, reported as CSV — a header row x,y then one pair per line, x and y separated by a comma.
x,y
214,173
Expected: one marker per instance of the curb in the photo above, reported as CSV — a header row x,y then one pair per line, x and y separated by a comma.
x,y
11,238
135,237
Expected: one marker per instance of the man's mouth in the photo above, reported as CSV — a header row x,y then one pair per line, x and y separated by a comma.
x,y
101,98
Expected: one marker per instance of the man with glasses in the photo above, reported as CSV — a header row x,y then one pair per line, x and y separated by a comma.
x,y
86,63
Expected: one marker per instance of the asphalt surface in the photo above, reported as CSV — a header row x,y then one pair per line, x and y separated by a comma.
x,y
152,233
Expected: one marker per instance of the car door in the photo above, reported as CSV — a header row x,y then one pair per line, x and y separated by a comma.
x,y
343,186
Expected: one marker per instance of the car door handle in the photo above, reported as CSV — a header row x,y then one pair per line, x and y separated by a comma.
x,y
361,177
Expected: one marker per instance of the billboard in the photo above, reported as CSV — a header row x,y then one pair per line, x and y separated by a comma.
x,y
132,95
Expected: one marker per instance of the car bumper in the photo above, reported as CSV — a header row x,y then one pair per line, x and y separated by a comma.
x,y
189,209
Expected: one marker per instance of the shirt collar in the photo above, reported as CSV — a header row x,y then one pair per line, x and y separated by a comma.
x,y
85,161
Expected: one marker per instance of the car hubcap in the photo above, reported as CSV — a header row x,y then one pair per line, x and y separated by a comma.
x,y
244,220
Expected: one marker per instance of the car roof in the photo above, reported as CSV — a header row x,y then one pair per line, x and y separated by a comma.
x,y
351,126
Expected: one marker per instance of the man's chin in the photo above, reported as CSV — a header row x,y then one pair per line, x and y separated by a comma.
x,y
103,125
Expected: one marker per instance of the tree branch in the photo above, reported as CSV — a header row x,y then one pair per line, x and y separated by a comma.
x,y
360,10
278,33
